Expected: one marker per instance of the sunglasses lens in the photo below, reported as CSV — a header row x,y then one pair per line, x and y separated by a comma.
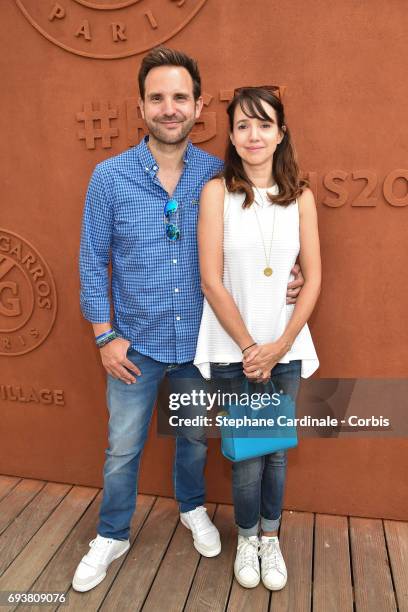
x,y
172,232
171,207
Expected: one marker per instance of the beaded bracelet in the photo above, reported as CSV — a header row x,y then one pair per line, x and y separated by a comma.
x,y
106,333
106,338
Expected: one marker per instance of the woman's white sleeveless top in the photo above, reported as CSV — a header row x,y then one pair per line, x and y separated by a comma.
x,y
260,299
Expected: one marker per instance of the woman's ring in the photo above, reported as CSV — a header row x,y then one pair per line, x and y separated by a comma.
x,y
258,372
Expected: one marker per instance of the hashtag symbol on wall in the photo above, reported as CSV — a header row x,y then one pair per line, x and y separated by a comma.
x,y
97,124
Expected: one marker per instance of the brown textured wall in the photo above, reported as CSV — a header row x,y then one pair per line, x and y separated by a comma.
x,y
344,69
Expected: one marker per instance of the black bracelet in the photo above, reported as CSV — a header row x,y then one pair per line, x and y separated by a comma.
x,y
245,349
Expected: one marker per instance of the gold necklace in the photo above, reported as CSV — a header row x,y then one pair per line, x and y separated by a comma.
x,y
268,270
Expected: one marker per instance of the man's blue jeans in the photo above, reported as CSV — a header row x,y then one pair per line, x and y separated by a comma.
x,y
130,412
258,484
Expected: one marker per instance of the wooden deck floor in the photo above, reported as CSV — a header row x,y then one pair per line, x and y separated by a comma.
x,y
335,563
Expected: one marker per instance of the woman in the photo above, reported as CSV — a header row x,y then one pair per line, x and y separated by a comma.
x,y
254,222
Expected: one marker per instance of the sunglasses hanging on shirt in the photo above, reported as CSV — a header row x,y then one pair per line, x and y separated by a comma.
x,y
172,229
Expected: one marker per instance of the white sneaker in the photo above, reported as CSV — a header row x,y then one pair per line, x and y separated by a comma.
x,y
92,568
206,536
246,566
273,568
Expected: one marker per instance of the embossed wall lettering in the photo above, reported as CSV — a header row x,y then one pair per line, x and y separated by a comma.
x,y
152,21
337,182
118,31
57,12
206,126
26,394
109,29
28,299
84,30
388,187
97,124
136,128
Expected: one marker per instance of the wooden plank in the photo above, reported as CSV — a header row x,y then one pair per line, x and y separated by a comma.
x,y
139,569
396,533
332,586
58,574
6,484
170,584
296,540
24,570
212,582
373,588
17,500
22,529
242,600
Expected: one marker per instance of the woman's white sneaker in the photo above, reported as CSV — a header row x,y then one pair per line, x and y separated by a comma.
x,y
206,536
246,566
273,568
92,568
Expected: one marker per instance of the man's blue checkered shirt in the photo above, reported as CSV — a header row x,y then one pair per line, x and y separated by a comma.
x,y
155,287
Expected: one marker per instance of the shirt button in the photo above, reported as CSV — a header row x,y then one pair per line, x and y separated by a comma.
x,y
155,168
178,318
174,260
176,290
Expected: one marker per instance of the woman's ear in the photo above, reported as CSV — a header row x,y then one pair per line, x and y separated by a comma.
x,y
282,133
232,138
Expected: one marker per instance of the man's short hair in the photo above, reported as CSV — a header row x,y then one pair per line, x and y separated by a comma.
x,y
163,56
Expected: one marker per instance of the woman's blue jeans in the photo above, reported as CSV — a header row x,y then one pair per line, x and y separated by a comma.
x,y
130,412
258,484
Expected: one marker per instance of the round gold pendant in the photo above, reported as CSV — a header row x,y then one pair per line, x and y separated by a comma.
x,y
268,271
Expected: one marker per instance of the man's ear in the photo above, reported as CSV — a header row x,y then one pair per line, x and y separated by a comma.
x,y
141,106
199,106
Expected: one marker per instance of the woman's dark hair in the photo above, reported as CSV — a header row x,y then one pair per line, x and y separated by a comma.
x,y
285,170
163,56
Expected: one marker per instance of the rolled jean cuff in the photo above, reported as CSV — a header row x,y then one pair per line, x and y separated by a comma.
x,y
250,531
270,524
188,507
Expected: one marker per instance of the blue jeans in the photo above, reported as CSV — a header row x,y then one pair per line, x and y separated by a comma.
x,y
130,412
258,484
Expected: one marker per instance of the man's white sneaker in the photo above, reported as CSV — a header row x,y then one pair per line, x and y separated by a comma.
x,y
206,536
92,568
246,566
273,568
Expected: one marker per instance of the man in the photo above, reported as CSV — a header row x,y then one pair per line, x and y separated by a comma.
x,y
140,215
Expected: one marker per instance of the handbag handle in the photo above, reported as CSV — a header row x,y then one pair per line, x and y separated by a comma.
x,y
270,383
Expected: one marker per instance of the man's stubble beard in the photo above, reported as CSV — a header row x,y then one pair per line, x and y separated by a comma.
x,y
161,136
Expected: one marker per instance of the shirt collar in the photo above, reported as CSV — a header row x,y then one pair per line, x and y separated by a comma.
x,y
147,160
188,152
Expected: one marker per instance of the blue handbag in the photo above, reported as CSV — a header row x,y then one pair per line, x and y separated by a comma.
x,y
259,433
